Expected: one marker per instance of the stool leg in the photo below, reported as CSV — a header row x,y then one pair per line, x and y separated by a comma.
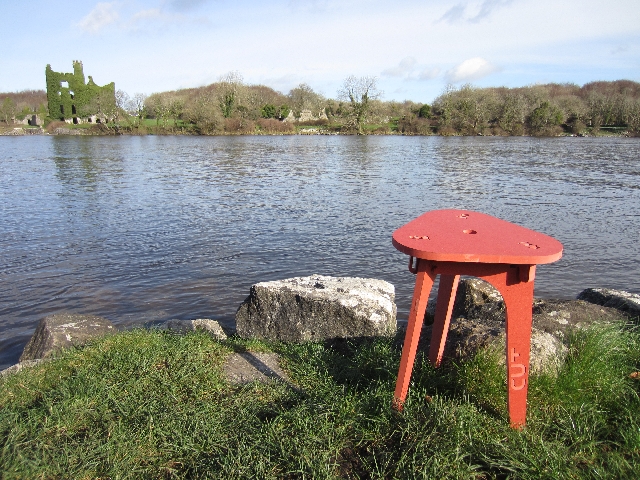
x,y
444,308
424,283
518,299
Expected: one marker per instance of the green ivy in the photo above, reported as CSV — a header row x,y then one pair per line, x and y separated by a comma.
x,y
268,111
79,98
283,111
425,111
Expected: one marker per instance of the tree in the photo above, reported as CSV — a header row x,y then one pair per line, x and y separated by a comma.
x,y
467,110
632,115
512,113
359,92
8,110
42,110
304,98
176,108
544,118
203,111
600,109
135,106
122,100
229,91
283,111
268,111
424,111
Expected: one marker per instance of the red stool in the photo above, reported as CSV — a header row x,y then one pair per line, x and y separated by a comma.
x,y
451,243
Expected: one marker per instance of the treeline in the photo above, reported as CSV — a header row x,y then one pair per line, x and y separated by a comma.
x,y
230,106
539,110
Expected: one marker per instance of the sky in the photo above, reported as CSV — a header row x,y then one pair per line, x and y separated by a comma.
x,y
414,48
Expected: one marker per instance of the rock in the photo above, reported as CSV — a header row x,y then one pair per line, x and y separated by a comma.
x,y
247,367
626,302
290,118
184,326
559,317
478,320
476,298
318,308
547,353
64,330
34,131
468,335
68,131
19,366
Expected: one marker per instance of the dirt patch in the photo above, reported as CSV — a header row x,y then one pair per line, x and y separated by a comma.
x,y
247,367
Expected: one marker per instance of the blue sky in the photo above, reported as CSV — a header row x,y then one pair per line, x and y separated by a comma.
x,y
415,48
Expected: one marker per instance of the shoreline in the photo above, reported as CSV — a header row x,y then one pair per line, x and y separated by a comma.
x,y
164,131
564,312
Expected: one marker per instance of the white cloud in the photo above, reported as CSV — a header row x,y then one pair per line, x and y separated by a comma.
x,y
103,14
471,69
487,7
404,68
429,74
407,67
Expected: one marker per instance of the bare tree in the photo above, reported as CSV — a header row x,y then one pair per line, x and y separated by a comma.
x,y
359,92
122,100
230,86
135,106
632,115
304,98
202,110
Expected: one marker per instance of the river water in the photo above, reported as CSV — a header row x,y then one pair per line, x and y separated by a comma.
x,y
139,229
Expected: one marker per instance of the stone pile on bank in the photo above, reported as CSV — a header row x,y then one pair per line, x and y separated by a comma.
x,y
319,308
478,320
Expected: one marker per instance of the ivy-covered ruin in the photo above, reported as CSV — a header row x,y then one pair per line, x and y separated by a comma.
x,y
74,101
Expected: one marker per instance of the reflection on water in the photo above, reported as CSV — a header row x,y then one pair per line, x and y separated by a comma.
x,y
149,228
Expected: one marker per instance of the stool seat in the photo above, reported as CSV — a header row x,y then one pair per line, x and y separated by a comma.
x,y
463,236
451,243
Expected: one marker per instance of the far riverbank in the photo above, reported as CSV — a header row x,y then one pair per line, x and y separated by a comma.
x,y
109,130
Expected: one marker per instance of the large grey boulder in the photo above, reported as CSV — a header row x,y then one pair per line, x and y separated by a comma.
x,y
626,302
64,330
318,308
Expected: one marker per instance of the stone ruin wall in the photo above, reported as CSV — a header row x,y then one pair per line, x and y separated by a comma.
x,y
69,96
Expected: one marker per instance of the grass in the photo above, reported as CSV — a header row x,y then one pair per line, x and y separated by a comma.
x,y
156,405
